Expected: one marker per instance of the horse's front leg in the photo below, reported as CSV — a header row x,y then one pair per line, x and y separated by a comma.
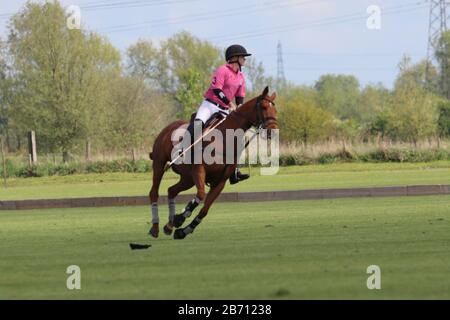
x,y
158,172
199,175
181,233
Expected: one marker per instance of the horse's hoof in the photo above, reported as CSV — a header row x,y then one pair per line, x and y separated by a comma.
x,y
154,231
178,220
168,229
179,234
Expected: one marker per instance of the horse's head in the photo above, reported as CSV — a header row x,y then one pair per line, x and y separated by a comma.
x,y
259,112
266,113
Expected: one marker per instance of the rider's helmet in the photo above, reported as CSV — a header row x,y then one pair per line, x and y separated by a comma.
x,y
234,51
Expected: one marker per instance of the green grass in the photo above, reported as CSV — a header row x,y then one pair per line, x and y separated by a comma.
x,y
288,178
289,250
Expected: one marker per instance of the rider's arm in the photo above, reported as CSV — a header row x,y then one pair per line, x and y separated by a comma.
x,y
240,94
219,94
217,84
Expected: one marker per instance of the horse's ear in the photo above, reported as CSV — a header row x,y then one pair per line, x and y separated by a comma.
x,y
273,96
266,91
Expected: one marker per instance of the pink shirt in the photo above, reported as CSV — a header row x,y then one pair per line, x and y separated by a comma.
x,y
230,82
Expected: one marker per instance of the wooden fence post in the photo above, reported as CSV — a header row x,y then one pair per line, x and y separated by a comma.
x,y
32,147
87,157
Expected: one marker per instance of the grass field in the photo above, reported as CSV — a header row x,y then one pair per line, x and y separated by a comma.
x,y
288,250
288,178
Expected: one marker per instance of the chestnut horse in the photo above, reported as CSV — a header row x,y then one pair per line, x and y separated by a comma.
x,y
259,112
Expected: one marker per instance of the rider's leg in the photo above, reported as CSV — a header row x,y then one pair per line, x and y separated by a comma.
x,y
196,127
238,176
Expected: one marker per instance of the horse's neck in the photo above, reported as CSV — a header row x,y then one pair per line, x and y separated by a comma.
x,y
234,121
241,117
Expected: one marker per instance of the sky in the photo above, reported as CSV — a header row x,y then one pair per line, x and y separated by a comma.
x,y
317,36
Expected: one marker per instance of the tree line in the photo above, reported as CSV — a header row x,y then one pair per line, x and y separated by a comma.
x,y
80,95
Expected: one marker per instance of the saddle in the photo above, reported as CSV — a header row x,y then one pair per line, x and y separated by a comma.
x,y
216,117
212,121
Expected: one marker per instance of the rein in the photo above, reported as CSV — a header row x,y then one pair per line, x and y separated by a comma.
x,y
261,121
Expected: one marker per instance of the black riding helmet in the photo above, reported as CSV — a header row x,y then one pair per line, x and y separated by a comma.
x,y
234,51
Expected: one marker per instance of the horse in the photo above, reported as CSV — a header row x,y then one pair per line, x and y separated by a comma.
x,y
259,112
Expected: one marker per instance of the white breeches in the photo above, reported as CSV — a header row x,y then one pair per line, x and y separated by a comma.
x,y
206,110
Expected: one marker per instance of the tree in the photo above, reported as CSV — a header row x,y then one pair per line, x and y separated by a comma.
x,y
8,126
415,75
145,61
190,63
137,113
190,92
301,119
380,124
339,95
181,67
374,99
255,78
183,51
443,56
413,114
347,130
444,118
3,90
60,76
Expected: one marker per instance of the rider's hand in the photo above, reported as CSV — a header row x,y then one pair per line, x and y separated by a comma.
x,y
232,106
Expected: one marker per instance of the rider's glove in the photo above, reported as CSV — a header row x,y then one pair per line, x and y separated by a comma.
x,y
232,106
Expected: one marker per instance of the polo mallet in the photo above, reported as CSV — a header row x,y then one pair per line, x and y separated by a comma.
x,y
169,164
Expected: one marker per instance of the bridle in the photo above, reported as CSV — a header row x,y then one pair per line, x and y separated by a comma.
x,y
261,121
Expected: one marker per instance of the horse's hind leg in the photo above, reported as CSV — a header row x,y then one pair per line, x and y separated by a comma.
x,y
185,183
158,172
198,176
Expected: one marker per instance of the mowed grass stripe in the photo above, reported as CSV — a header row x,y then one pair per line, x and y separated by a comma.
x,y
290,250
346,175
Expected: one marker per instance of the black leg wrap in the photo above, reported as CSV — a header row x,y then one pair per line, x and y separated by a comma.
x,y
191,206
179,234
178,220
195,223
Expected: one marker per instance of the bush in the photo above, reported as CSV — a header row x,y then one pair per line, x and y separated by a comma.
x,y
142,166
405,155
290,158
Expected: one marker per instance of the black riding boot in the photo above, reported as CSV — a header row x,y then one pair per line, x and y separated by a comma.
x,y
238,176
190,129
